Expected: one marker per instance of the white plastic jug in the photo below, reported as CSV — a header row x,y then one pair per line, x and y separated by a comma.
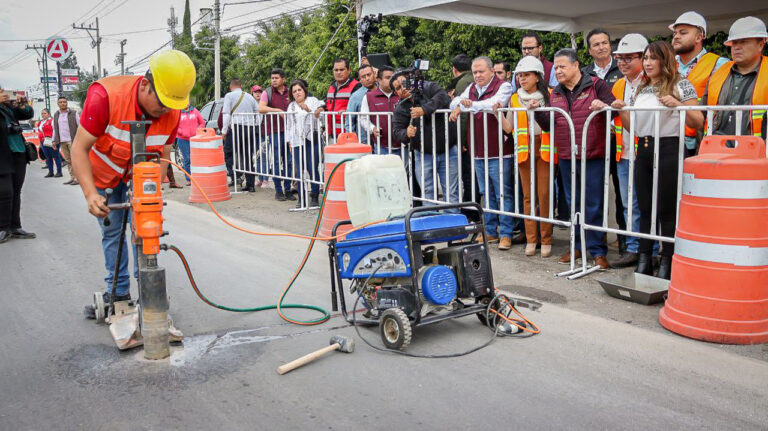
x,y
376,187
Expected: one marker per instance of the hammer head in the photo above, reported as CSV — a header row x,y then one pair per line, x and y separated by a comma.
x,y
347,343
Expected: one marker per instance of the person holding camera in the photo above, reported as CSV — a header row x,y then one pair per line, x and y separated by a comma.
x,y
418,101
13,165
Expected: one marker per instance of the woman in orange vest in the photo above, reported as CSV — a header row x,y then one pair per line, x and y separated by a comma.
x,y
661,86
532,91
101,151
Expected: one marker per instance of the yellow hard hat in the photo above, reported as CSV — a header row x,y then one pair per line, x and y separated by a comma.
x,y
174,76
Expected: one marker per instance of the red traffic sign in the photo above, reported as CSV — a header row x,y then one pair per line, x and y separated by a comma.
x,y
57,49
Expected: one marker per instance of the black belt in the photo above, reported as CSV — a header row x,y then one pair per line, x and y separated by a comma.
x,y
645,140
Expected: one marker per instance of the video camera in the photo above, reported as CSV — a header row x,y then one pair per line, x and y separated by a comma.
x,y
367,26
414,76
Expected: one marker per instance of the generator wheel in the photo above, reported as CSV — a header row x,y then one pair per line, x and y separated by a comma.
x,y
395,329
99,307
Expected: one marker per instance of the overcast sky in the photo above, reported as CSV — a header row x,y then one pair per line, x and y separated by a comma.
x,y
23,23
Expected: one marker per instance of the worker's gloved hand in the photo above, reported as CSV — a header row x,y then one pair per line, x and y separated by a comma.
x,y
97,205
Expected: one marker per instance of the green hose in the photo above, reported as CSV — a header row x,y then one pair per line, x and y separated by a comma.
x,y
325,314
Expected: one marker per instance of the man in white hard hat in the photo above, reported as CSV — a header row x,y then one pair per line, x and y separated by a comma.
x,y
693,62
743,81
629,57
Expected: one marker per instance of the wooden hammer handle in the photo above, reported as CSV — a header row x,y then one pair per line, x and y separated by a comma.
x,y
296,363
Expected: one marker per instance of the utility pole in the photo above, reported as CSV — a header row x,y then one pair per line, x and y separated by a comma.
x,y
172,21
217,52
95,42
120,59
44,58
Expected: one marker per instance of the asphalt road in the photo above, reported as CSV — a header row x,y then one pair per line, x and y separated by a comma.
x,y
60,371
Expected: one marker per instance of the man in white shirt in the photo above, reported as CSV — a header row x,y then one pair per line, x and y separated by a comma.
x,y
239,119
65,123
479,99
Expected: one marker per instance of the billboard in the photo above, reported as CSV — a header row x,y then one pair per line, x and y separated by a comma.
x,y
70,79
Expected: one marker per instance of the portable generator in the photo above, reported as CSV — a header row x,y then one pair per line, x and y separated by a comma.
x,y
423,268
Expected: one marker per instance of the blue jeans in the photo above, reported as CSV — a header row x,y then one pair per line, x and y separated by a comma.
x,y
280,154
52,156
445,164
307,158
492,221
110,238
183,146
593,201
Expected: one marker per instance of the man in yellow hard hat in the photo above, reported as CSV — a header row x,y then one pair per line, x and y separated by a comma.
x,y
101,151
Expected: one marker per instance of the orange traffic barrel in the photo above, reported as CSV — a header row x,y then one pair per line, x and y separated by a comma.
x,y
719,286
347,146
209,172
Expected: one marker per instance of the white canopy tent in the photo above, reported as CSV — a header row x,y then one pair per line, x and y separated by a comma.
x,y
649,17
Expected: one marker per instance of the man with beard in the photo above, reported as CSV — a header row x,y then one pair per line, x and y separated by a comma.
x,y
693,62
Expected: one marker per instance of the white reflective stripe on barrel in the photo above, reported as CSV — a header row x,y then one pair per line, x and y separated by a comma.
x,y
335,195
208,169
739,255
338,157
725,189
216,143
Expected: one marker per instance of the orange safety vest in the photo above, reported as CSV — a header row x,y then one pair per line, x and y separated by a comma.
x,y
111,154
522,135
759,93
618,128
699,77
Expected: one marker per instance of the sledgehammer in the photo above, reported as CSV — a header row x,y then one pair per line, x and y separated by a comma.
x,y
338,342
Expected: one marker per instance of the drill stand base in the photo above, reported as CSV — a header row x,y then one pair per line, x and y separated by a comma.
x,y
124,323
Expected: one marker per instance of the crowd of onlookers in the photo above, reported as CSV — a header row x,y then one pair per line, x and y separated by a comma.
x,y
463,143
434,129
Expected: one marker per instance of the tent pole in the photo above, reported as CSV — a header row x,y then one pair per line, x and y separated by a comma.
x,y
573,41
358,15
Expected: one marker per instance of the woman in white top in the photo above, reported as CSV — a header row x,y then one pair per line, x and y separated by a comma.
x,y
661,86
301,132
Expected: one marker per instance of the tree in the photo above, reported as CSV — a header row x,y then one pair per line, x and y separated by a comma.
x,y
186,31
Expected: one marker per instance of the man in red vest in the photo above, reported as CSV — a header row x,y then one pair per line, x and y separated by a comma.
x,y
382,99
101,152
339,92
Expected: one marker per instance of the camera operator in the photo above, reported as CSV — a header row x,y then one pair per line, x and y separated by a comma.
x,y
419,99
13,165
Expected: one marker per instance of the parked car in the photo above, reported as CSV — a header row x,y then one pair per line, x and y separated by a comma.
x,y
210,113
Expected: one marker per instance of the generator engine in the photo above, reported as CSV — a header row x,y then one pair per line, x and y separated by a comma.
x,y
424,270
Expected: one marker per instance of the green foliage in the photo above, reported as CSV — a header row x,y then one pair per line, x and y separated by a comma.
x,y
186,22
295,44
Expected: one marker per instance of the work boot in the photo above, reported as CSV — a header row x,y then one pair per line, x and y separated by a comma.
x,y
602,262
22,234
644,264
490,238
665,268
313,201
625,261
505,243
90,312
566,258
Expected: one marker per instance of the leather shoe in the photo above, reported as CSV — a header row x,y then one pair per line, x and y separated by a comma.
x,y
50,175
313,201
280,197
665,268
289,196
68,182
250,189
644,264
74,183
22,234
519,239
566,258
4,236
602,262
58,175
625,261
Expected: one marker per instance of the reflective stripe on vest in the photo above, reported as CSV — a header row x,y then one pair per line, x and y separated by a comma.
x,y
119,170
699,77
759,93
523,140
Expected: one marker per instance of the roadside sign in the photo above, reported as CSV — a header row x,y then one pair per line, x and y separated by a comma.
x,y
69,72
69,87
57,49
70,79
51,79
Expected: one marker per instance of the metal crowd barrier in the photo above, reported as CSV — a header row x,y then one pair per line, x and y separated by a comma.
x,y
263,153
608,112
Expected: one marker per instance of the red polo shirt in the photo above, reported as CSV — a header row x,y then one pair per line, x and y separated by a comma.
x,y
95,116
